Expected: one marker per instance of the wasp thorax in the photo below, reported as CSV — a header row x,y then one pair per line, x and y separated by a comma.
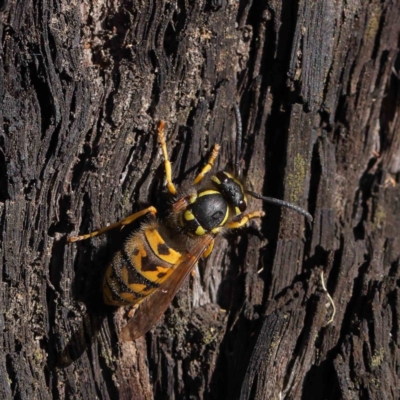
x,y
207,213
232,190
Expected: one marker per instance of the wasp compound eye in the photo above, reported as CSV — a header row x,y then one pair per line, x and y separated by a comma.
x,y
242,206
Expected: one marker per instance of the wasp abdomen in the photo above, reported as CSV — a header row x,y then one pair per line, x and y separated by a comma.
x,y
144,262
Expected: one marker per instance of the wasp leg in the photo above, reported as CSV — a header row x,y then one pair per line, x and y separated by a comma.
x,y
126,221
208,250
208,166
132,311
245,218
167,163
180,205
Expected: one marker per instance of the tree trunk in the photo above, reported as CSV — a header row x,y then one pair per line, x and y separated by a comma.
x,y
82,87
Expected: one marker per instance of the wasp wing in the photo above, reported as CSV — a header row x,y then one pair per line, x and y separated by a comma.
x,y
154,306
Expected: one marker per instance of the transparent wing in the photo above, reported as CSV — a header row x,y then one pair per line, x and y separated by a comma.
x,y
154,306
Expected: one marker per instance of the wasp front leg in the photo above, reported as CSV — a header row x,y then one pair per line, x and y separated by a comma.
x,y
167,163
126,221
244,219
209,165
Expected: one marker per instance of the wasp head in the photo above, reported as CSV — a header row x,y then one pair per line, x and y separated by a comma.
x,y
232,190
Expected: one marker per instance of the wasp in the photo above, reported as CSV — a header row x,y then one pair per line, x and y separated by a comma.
x,y
156,259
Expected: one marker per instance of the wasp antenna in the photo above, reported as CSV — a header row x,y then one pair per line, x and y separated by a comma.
x,y
282,203
238,170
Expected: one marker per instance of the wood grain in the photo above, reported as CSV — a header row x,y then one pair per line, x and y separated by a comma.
x,y
82,87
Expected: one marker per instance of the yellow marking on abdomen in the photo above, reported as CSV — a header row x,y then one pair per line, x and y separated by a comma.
x,y
140,288
146,264
159,275
149,270
110,283
160,248
131,298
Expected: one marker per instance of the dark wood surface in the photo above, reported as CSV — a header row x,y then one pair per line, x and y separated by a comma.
x,y
82,86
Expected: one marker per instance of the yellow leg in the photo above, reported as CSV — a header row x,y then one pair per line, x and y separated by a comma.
x,y
205,254
122,223
208,166
167,163
244,220
209,250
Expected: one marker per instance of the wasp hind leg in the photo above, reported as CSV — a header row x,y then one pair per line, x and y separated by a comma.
x,y
244,219
167,163
126,221
209,165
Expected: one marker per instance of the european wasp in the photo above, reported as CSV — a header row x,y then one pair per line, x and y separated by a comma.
x,y
156,259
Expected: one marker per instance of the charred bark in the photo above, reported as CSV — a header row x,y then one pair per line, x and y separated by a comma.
x,y
82,86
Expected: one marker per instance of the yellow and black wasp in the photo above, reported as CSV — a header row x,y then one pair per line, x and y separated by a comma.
x,y
155,260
